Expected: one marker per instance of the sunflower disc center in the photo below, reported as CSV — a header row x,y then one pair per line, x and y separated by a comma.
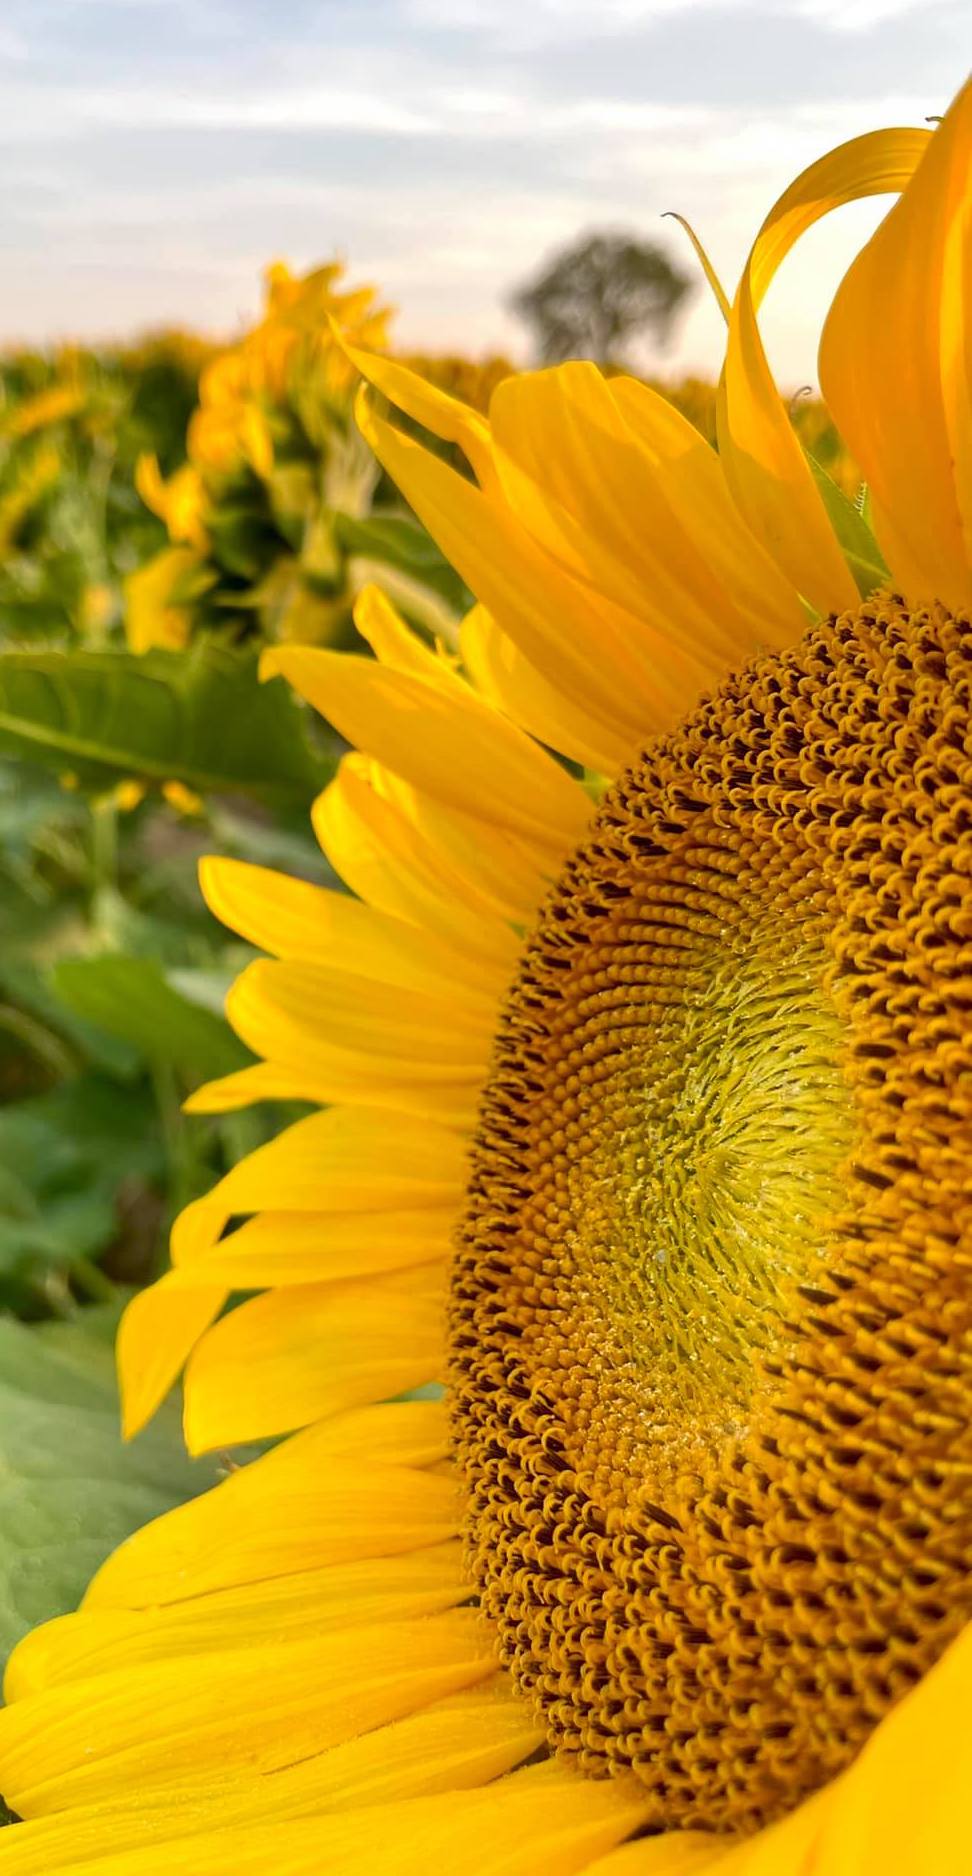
x,y
712,1322
711,1169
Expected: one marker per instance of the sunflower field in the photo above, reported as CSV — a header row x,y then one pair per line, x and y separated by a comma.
x,y
484,993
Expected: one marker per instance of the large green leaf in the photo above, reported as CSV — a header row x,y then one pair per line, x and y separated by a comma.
x,y
132,999
70,1490
200,717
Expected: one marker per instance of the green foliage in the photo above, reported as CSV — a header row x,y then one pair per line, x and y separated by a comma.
x,y
130,998
849,522
66,1156
199,717
395,545
69,1490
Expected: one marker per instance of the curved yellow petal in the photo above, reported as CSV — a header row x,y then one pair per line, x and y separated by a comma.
x,y
695,483
509,682
896,369
293,919
484,860
347,1159
584,645
364,1162
395,644
763,461
447,417
282,1608
674,1853
447,743
377,846
371,1499
262,1081
291,1355
316,1247
265,1708
536,1822
362,1041
158,1330
455,1744
597,492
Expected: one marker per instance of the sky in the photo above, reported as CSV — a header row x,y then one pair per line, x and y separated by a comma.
x,y
156,154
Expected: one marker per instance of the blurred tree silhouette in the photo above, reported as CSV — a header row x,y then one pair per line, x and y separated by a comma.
x,y
592,299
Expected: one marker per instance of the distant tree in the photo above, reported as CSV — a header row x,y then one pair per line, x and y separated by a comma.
x,y
594,297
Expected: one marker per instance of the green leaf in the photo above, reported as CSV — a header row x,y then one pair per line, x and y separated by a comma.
x,y
64,1155
200,717
861,551
70,1490
132,999
30,987
401,543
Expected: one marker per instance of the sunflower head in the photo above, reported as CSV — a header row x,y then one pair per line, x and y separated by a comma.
x,y
272,454
711,1321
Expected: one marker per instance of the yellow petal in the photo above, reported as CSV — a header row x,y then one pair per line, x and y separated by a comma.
x,y
695,485
347,1159
537,1822
447,417
264,1708
152,618
762,458
896,369
674,1853
586,647
321,1165
513,875
446,868
451,745
395,644
311,1602
509,682
262,1081
318,1247
362,1041
293,1354
596,491
454,1744
380,852
262,1522
156,1333
292,919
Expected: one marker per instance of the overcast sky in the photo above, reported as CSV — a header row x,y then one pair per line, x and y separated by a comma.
x,y
157,153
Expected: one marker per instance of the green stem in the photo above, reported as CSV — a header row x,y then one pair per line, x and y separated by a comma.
x,y
91,1280
179,1155
104,845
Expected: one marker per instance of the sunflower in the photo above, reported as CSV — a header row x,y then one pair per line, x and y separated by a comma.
x,y
273,457
643,1071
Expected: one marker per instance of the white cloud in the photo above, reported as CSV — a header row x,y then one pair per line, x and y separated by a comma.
x,y
500,159
546,16
856,16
